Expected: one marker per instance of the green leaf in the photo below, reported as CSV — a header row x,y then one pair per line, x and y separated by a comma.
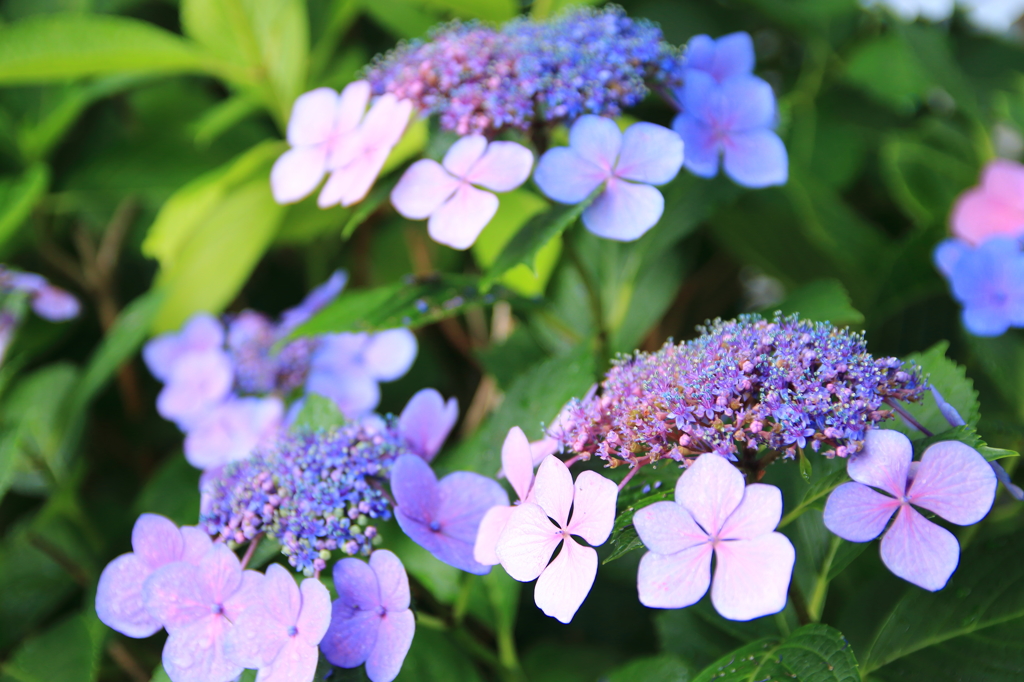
x,y
367,207
951,381
58,47
968,436
889,70
824,300
661,668
317,413
972,629
813,653
488,10
434,658
624,538
18,196
403,18
68,652
817,492
172,491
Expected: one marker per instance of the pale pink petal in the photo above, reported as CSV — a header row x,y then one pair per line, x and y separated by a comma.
x,y
517,461
119,597
566,582
858,513
491,527
295,662
759,513
173,595
424,186
465,152
389,354
246,597
593,507
884,462
220,573
196,653
674,581
460,220
392,580
296,173
280,595
955,482
255,639
919,551
526,545
156,540
979,215
385,122
710,489
566,177
316,611
624,211
651,154
667,528
1004,178
553,489
351,183
197,543
313,117
752,576
393,641
597,140
505,166
351,106
545,447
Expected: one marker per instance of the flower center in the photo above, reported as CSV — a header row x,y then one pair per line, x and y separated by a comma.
x,y
435,526
217,609
292,631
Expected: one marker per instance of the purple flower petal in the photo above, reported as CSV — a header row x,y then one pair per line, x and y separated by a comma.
x,y
677,580
174,595
54,304
414,487
884,462
195,653
667,528
758,514
463,155
526,545
703,148
394,637
564,176
351,106
955,482
297,172
156,540
857,513
492,525
295,662
593,514
389,354
314,301
357,585
625,211
769,557
756,159
203,332
255,639
427,420
651,154
280,595
423,188
392,580
351,636
919,551
315,616
197,382
313,117
948,253
232,431
504,166
464,498
596,139
731,55
566,582
119,599
553,490
197,544
710,489
461,219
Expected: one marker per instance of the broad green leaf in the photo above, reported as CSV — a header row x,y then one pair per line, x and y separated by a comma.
x,y
58,47
933,49
317,413
624,538
825,300
68,652
488,10
544,9
816,494
402,18
968,436
305,222
888,69
367,207
661,668
433,657
952,382
412,142
1002,358
172,490
222,117
813,653
515,209
18,196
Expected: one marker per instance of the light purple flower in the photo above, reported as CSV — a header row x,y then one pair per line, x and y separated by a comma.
x,y
447,192
347,367
156,542
370,621
627,164
426,422
197,382
197,604
54,304
952,480
202,333
536,527
733,118
279,634
517,465
443,516
232,430
313,303
987,280
728,56
715,513
321,122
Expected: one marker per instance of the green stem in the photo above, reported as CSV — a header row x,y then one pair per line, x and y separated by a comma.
x,y
817,603
596,309
462,599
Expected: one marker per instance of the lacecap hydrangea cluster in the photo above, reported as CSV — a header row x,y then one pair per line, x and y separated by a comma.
x,y
480,79
311,492
742,385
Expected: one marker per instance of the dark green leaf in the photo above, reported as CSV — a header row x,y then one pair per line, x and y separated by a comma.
x,y
968,436
624,538
172,491
816,494
951,381
18,196
662,668
825,300
368,206
68,652
435,658
888,69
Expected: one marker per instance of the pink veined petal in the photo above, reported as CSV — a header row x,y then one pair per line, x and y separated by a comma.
x,y
295,662
297,172
156,540
566,582
313,117
119,599
884,462
392,579
759,513
393,641
220,573
505,166
460,220
624,211
197,544
955,482
919,551
246,597
465,152
756,158
351,106
390,353
525,546
553,489
517,461
174,596
414,486
593,508
351,183
667,528
710,489
674,581
752,576
491,528
857,513
545,447
315,617
280,595
596,139
196,653
255,639
566,177
424,187
651,154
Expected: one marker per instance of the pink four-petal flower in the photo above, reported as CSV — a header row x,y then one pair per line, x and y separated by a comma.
x,y
517,463
993,208
715,513
535,529
446,193
951,480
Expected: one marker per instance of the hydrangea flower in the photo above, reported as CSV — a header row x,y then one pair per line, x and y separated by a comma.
x,y
426,421
952,480
314,301
203,333
197,382
728,56
448,194
987,280
558,511
198,605
156,542
625,164
48,301
370,622
279,634
715,513
443,516
322,121
993,208
232,430
517,465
